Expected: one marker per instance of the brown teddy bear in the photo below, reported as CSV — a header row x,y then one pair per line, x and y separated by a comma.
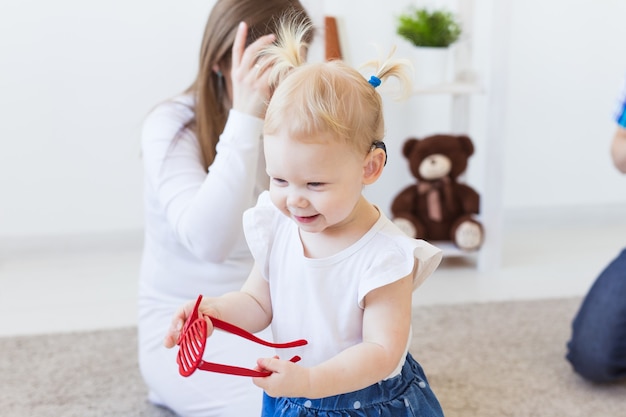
x,y
438,207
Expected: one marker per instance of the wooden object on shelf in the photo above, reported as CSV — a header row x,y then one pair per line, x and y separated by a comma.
x,y
333,48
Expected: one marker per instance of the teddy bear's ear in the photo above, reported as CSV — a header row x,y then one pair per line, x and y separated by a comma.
x,y
408,146
466,144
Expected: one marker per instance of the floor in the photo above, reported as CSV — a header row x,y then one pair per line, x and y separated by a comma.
x,y
71,284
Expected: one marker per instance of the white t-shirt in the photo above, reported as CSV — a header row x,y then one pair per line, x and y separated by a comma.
x,y
321,300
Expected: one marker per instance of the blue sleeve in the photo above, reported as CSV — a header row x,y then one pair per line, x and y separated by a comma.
x,y
620,110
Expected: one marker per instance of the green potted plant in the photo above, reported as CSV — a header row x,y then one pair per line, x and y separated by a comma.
x,y
431,32
429,28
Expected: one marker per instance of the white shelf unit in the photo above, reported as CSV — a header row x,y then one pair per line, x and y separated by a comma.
x,y
461,93
461,90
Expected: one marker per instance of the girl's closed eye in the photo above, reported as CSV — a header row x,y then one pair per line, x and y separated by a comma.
x,y
316,184
279,181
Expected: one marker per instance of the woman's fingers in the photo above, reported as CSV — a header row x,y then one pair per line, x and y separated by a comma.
x,y
246,57
252,51
250,89
239,45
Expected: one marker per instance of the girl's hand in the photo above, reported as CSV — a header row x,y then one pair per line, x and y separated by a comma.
x,y
251,90
182,315
287,378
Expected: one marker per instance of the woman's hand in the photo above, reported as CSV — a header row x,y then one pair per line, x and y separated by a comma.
x,y
251,90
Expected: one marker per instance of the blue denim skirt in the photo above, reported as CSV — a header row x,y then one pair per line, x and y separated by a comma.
x,y
405,395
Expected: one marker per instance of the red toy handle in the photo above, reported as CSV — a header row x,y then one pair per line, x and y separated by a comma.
x,y
231,328
236,370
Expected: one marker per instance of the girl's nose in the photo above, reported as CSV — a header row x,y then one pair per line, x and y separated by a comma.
x,y
296,200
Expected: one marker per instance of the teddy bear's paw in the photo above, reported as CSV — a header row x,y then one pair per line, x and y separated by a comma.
x,y
406,226
468,236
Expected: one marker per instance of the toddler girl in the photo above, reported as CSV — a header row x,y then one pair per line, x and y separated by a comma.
x,y
330,267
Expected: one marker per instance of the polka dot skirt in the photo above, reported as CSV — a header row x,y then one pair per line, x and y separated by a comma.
x,y
407,394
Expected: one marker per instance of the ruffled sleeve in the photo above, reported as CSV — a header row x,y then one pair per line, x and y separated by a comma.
x,y
428,258
259,225
397,256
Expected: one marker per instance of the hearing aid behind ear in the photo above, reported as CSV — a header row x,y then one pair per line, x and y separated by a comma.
x,y
380,145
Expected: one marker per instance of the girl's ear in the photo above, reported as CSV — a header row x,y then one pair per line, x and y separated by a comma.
x,y
373,165
216,69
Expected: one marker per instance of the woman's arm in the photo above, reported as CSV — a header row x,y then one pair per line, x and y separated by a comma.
x,y
203,209
386,326
618,149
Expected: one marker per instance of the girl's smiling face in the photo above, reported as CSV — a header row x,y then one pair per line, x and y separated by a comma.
x,y
317,183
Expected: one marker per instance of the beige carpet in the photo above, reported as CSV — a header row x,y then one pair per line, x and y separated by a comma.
x,y
507,360
483,360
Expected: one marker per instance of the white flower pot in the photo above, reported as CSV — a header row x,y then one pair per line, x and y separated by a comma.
x,y
432,66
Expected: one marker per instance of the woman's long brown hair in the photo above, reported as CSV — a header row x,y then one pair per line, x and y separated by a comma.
x,y
211,103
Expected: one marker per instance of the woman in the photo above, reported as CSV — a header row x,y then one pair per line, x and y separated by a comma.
x,y
204,166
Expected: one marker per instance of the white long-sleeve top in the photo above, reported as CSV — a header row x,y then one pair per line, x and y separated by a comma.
x,y
194,241
194,244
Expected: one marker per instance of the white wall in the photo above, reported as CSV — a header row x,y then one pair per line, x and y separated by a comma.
x,y
78,77
565,68
76,80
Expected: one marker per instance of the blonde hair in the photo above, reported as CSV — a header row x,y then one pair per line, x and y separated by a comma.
x,y
327,97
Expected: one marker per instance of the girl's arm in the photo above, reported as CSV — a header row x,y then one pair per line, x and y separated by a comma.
x,y
386,326
249,308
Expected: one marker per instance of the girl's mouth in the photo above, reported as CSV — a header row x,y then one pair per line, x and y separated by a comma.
x,y
306,219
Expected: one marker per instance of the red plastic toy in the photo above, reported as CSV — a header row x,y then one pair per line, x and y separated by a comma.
x,y
193,341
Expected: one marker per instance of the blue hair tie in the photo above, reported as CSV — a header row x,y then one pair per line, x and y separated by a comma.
x,y
374,81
